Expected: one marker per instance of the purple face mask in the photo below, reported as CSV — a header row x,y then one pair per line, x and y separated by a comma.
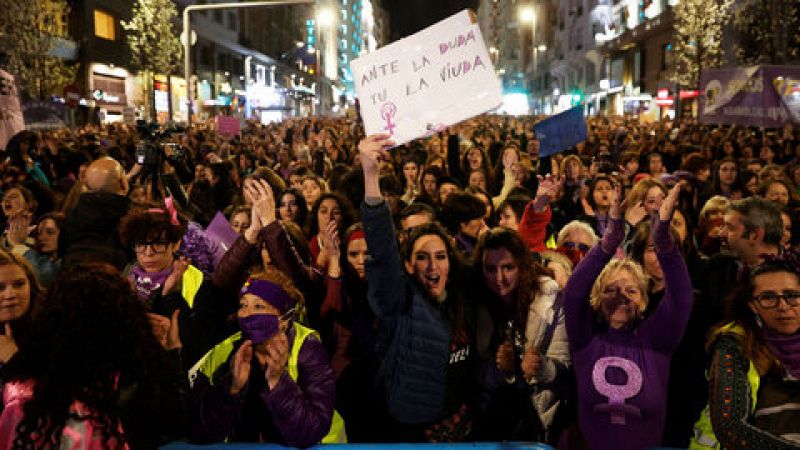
x,y
259,327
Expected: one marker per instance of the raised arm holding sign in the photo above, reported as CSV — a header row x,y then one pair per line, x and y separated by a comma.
x,y
11,121
426,82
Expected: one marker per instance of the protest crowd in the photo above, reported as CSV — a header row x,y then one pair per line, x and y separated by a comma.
x,y
301,283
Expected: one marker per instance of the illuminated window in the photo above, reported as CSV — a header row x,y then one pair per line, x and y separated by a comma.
x,y
104,25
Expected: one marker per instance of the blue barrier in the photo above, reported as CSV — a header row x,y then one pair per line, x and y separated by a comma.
x,y
471,446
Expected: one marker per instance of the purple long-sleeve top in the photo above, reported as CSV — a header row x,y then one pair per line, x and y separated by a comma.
x,y
622,375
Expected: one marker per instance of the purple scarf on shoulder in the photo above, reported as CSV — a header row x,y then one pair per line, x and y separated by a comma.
x,y
148,283
786,349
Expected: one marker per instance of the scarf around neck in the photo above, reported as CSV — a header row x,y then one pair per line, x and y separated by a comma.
x,y
148,283
786,349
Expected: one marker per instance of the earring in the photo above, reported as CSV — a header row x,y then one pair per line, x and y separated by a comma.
x,y
759,322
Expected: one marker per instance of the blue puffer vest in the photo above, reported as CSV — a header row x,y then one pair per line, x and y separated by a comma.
x,y
414,334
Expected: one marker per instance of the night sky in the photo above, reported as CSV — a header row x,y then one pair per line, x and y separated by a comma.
x,y
409,16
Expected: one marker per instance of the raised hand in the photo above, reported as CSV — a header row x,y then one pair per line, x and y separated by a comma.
x,y
371,151
263,201
662,219
174,279
240,367
18,228
669,204
635,214
548,189
615,212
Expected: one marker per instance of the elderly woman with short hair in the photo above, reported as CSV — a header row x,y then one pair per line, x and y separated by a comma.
x,y
626,357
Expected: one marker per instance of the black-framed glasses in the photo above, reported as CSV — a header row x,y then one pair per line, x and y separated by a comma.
x,y
772,299
156,246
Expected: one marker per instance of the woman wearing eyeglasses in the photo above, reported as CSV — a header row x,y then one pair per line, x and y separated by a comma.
x,y
170,285
623,357
754,379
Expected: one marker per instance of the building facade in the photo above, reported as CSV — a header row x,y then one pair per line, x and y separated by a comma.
x,y
500,26
635,39
108,85
575,62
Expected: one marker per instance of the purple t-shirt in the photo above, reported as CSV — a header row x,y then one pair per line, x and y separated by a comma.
x,y
622,376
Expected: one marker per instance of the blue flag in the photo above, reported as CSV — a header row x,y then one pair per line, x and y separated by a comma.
x,y
560,132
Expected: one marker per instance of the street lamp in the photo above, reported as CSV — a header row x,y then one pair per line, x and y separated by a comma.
x,y
527,14
325,18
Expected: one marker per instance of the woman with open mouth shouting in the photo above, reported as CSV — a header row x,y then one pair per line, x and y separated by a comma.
x,y
428,371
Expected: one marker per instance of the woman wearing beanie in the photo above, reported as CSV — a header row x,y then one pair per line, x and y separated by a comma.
x,y
272,381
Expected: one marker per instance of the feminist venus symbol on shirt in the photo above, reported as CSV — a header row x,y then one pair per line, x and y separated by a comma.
x,y
617,393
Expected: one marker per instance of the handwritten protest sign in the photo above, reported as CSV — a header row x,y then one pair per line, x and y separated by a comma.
x,y
421,84
11,121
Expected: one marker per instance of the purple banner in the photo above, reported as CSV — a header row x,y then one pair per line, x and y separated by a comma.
x,y
760,96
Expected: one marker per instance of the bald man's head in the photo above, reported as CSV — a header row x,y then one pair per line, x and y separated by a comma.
x,y
106,175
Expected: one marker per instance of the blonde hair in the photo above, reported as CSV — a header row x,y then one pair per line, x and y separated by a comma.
x,y
571,158
576,225
611,269
640,189
769,171
715,204
558,258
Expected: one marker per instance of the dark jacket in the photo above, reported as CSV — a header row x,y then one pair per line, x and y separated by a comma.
x,y
203,320
91,230
294,414
415,339
156,414
718,277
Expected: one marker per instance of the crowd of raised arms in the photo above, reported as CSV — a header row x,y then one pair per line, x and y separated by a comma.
x,y
639,290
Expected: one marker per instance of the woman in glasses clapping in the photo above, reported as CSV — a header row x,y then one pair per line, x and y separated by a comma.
x,y
170,285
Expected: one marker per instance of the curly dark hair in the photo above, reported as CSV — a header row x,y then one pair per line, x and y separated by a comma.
x,y
91,336
150,225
